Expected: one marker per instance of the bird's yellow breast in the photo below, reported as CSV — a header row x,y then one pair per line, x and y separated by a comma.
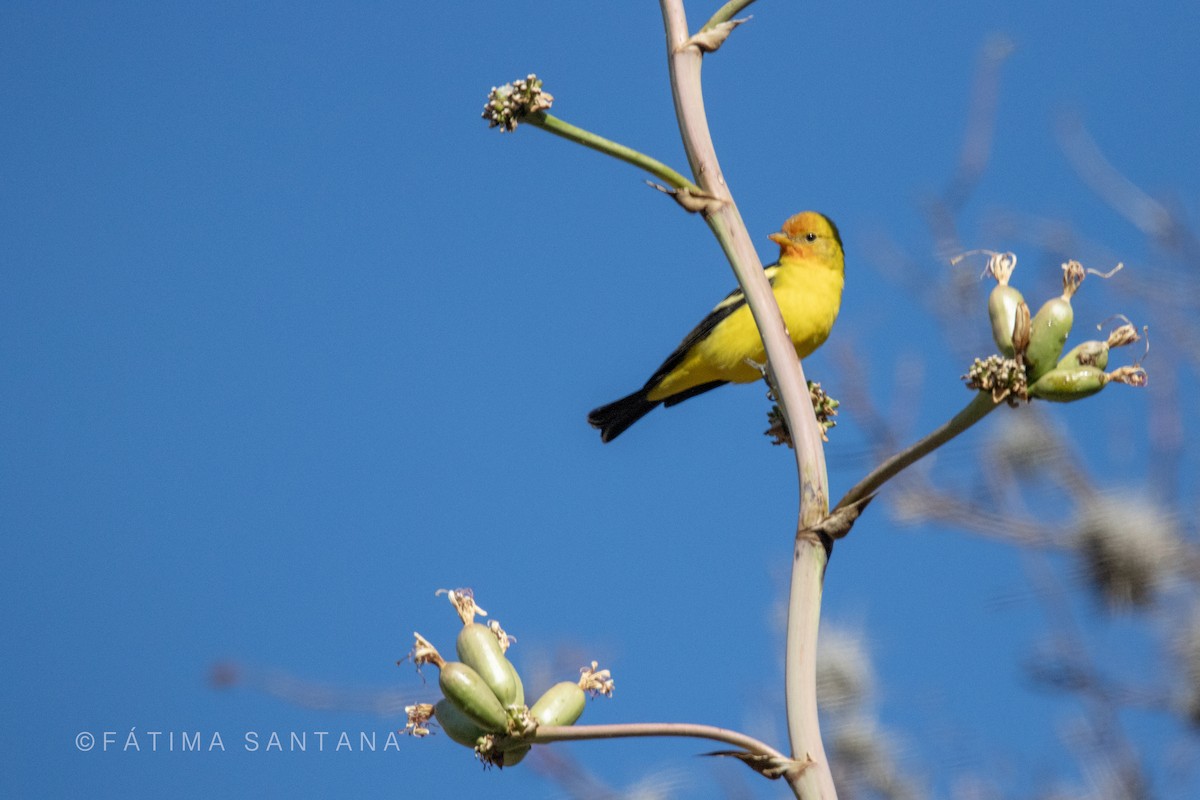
x,y
809,295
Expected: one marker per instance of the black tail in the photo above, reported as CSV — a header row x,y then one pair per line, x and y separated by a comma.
x,y
614,418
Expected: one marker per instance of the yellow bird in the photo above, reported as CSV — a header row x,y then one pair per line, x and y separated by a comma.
x,y
726,346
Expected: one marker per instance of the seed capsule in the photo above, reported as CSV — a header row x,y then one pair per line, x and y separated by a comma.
x,y
513,757
457,725
1003,300
479,649
465,688
1052,324
1072,383
1050,327
519,697
1095,353
1002,310
562,704
1086,354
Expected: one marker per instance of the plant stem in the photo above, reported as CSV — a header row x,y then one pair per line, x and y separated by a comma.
x,y
552,124
786,377
741,741
783,368
726,13
977,409
800,679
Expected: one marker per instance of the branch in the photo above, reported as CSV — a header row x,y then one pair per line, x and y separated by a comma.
x,y
566,130
563,733
760,757
786,377
783,368
525,100
726,13
976,410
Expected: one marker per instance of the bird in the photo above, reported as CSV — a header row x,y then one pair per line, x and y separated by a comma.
x,y
726,347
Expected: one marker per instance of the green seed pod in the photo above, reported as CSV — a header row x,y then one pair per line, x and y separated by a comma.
x,y
519,700
1047,336
513,757
1051,325
1087,354
479,649
1002,310
562,704
465,688
457,725
1065,385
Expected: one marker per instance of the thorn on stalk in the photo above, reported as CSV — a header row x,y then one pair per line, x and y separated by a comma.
x,y
711,39
692,201
771,767
839,522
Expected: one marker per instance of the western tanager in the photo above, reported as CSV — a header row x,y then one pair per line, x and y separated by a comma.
x,y
726,346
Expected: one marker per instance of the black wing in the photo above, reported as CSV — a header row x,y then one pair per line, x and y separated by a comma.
x,y
732,302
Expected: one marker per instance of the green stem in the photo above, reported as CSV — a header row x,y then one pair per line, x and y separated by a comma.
x,y
741,741
977,409
726,13
552,124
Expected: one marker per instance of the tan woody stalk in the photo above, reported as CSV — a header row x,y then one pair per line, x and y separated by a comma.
x,y
811,776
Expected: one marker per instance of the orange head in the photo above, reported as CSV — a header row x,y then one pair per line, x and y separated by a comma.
x,y
810,235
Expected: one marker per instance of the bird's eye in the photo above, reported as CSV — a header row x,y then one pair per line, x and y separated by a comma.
x,y
811,237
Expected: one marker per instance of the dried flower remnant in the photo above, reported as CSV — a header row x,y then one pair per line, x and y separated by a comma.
x,y
1004,378
824,406
463,601
508,105
505,640
418,718
596,681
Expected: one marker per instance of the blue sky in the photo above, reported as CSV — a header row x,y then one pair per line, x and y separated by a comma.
x,y
290,340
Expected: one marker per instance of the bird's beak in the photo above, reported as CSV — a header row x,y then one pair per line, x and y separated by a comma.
x,y
781,239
